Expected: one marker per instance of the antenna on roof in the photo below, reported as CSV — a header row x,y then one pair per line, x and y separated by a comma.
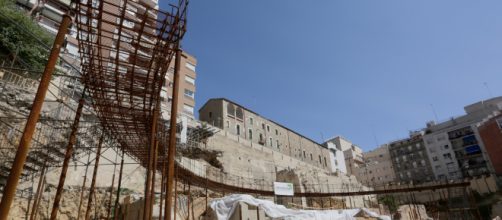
x,y
434,112
488,89
374,136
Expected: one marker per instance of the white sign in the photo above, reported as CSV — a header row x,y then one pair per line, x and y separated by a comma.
x,y
283,189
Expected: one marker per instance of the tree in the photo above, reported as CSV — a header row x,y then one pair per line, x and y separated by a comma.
x,y
23,38
390,202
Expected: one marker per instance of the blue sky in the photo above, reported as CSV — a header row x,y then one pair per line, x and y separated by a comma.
x,y
364,69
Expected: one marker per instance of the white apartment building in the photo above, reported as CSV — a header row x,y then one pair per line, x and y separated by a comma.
x,y
352,154
454,148
336,157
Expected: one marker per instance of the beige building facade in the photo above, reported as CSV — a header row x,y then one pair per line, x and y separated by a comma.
x,y
377,168
186,95
246,124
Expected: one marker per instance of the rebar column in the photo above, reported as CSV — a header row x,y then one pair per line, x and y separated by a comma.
x,y
67,157
162,186
189,201
83,187
111,189
154,166
38,194
24,144
150,165
175,195
172,135
116,211
93,182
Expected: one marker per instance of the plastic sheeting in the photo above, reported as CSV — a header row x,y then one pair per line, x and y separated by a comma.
x,y
225,206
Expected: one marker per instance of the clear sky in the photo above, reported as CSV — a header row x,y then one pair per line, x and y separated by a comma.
x,y
368,70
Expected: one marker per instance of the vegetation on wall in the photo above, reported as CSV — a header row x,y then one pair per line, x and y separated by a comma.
x,y
390,202
21,38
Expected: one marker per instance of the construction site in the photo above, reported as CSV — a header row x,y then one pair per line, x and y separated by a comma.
x,y
98,138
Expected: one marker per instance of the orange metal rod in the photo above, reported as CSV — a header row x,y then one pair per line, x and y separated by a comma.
x,y
172,136
24,145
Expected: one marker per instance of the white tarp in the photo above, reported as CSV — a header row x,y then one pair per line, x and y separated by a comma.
x,y
225,206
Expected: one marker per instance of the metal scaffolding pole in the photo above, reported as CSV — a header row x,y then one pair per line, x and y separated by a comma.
x,y
24,144
172,135
116,212
83,187
67,157
152,191
162,186
150,165
38,194
108,212
93,182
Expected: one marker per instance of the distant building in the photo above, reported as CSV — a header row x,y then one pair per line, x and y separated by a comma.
x,y
248,125
490,132
49,15
337,157
454,148
186,95
352,154
377,168
410,160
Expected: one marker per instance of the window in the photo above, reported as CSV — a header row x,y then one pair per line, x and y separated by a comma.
x,y
261,137
276,132
304,156
325,162
250,134
72,49
190,66
263,126
251,121
277,143
447,156
435,158
188,109
239,113
268,128
320,159
271,143
446,146
126,23
190,80
231,109
189,93
311,157
238,129
210,114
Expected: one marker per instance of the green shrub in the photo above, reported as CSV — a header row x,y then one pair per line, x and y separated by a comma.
x,y
18,32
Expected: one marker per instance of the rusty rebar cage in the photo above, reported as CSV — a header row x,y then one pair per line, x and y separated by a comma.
x,y
126,47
